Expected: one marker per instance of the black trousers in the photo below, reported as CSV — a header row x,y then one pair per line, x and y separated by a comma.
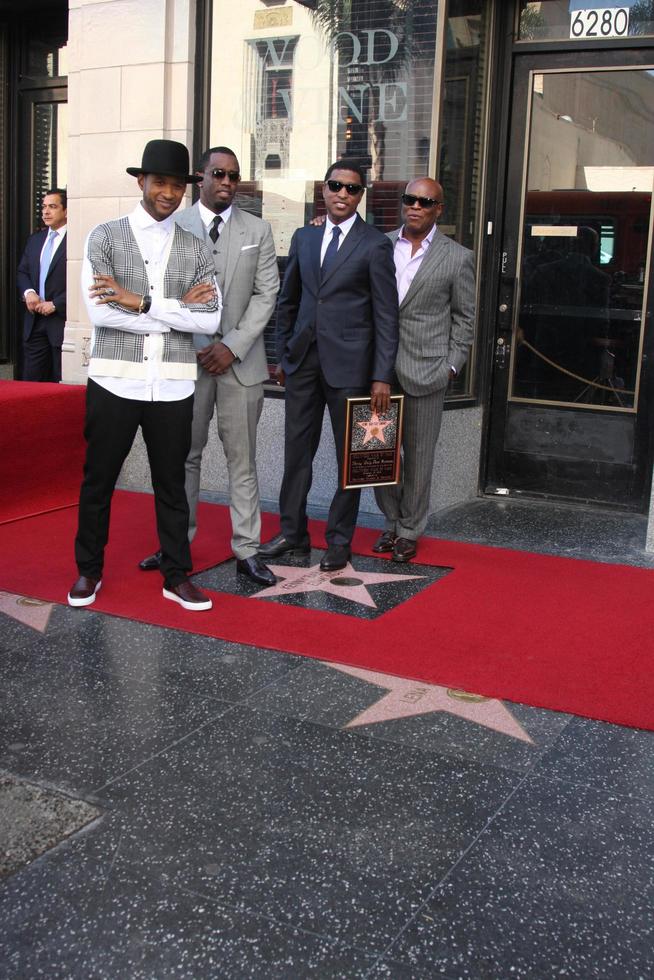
x,y
111,425
41,361
307,393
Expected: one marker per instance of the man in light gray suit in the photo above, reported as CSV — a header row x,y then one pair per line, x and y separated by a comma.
x,y
232,364
436,286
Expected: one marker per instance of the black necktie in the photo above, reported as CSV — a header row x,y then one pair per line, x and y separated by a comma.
x,y
214,231
330,254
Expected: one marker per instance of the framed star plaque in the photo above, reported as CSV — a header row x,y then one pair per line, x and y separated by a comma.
x,y
372,444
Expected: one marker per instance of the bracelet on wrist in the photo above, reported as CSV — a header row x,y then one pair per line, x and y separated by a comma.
x,y
145,304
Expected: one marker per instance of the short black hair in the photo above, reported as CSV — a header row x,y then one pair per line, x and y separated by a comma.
x,y
206,156
61,191
352,165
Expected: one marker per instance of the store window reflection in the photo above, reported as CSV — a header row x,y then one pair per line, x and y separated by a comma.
x,y
299,85
585,239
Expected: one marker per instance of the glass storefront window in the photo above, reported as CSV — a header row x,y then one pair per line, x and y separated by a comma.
x,y
297,86
462,131
563,20
50,152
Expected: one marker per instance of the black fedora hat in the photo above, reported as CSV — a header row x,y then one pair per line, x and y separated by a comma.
x,y
165,157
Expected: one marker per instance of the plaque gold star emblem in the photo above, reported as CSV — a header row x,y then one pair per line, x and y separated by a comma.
x,y
374,428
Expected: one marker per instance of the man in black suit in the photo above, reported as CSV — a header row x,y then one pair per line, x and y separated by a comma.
x,y
337,336
42,286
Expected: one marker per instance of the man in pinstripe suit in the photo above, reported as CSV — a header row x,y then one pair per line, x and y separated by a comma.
x,y
436,286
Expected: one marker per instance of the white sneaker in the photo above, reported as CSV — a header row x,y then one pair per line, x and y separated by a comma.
x,y
84,590
188,596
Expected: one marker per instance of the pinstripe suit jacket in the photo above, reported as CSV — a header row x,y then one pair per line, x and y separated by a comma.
x,y
437,317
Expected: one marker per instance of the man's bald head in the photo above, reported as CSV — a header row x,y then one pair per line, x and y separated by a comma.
x,y
422,204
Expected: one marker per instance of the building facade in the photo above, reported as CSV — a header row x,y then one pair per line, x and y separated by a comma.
x,y
535,116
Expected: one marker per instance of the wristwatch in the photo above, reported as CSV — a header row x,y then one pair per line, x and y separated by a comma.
x,y
145,304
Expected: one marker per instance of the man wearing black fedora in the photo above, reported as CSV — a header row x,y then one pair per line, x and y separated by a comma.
x,y
148,286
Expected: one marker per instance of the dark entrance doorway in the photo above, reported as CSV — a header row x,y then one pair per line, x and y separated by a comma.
x,y
33,142
572,376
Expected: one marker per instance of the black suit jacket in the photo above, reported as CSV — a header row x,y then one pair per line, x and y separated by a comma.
x,y
353,313
55,285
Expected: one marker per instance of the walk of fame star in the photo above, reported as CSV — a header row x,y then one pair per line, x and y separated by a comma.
x,y
407,698
29,612
348,583
374,429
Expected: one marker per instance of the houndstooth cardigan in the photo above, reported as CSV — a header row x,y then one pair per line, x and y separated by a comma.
x,y
112,250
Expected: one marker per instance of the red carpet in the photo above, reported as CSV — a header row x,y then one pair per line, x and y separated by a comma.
x,y
569,635
41,447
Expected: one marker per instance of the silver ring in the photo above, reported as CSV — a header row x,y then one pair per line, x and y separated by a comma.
x,y
110,292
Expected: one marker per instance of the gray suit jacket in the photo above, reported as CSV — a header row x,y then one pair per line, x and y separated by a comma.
x,y
246,270
437,317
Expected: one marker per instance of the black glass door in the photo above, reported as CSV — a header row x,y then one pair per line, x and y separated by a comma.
x,y
572,363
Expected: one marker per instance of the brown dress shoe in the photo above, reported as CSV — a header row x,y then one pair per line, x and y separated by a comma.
x,y
404,549
84,590
384,542
188,596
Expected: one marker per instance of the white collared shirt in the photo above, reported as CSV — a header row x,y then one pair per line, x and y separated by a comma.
x,y
345,226
152,238
406,265
208,216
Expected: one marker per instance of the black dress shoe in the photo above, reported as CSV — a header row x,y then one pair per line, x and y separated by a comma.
x,y
255,569
280,546
337,556
152,563
404,549
384,542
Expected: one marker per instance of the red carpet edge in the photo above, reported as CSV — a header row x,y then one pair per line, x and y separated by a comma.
x,y
558,633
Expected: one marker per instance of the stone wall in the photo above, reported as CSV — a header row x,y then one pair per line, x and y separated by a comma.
x,y
131,65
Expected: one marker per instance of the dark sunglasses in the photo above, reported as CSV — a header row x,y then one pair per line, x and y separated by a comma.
x,y
336,185
220,174
424,202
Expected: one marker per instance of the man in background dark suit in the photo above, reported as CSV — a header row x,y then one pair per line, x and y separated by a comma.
x,y
42,286
337,336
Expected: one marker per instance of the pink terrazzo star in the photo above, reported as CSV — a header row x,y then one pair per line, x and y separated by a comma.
x,y
348,583
30,612
407,698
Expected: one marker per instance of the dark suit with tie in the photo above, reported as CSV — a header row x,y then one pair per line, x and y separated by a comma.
x,y
336,333
43,335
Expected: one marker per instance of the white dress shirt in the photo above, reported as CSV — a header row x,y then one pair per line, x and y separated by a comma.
x,y
153,238
208,216
407,265
345,226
